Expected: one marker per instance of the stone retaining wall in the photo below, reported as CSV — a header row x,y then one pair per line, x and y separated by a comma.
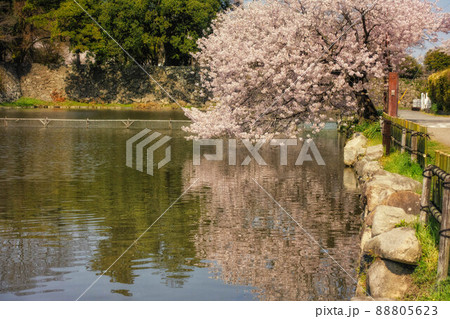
x,y
41,81
111,84
389,252
9,84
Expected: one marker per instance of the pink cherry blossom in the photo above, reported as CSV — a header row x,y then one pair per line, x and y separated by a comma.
x,y
271,65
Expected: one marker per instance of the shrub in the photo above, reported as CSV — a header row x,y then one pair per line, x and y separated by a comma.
x,y
434,108
371,130
57,96
439,89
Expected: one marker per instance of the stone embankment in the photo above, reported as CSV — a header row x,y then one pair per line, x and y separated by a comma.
x,y
389,248
94,84
9,84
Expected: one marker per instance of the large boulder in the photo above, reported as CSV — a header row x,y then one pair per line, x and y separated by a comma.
x,y
376,195
350,156
383,184
395,181
407,200
358,141
359,166
399,244
388,279
374,153
370,169
354,148
386,217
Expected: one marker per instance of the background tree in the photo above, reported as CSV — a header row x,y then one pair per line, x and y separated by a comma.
x,y
410,68
152,31
7,23
437,60
23,26
273,64
187,21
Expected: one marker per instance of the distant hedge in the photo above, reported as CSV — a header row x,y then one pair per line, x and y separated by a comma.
x,y
439,89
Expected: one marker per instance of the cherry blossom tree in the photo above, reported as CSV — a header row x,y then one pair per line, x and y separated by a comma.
x,y
446,46
271,65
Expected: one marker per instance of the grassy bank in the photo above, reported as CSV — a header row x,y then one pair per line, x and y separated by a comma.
x,y
25,102
425,286
424,276
396,162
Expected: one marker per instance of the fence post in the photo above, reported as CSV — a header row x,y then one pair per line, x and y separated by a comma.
x,y
403,140
386,131
444,239
425,199
414,148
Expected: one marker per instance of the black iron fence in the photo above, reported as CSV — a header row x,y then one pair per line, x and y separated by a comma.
x,y
435,201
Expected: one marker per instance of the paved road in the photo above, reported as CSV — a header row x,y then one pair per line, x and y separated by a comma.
x,y
438,126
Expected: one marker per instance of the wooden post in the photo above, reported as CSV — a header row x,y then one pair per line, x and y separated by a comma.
x,y
403,140
385,95
444,240
425,199
387,136
414,148
436,185
393,94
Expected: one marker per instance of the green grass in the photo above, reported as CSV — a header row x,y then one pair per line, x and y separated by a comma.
x,y
25,102
424,276
427,267
371,130
401,164
434,146
403,223
397,162
362,280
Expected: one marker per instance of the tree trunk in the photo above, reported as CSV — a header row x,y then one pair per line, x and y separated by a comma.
x,y
78,60
366,108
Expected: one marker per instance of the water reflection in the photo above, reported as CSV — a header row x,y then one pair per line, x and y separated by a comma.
x,y
255,242
124,113
69,207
